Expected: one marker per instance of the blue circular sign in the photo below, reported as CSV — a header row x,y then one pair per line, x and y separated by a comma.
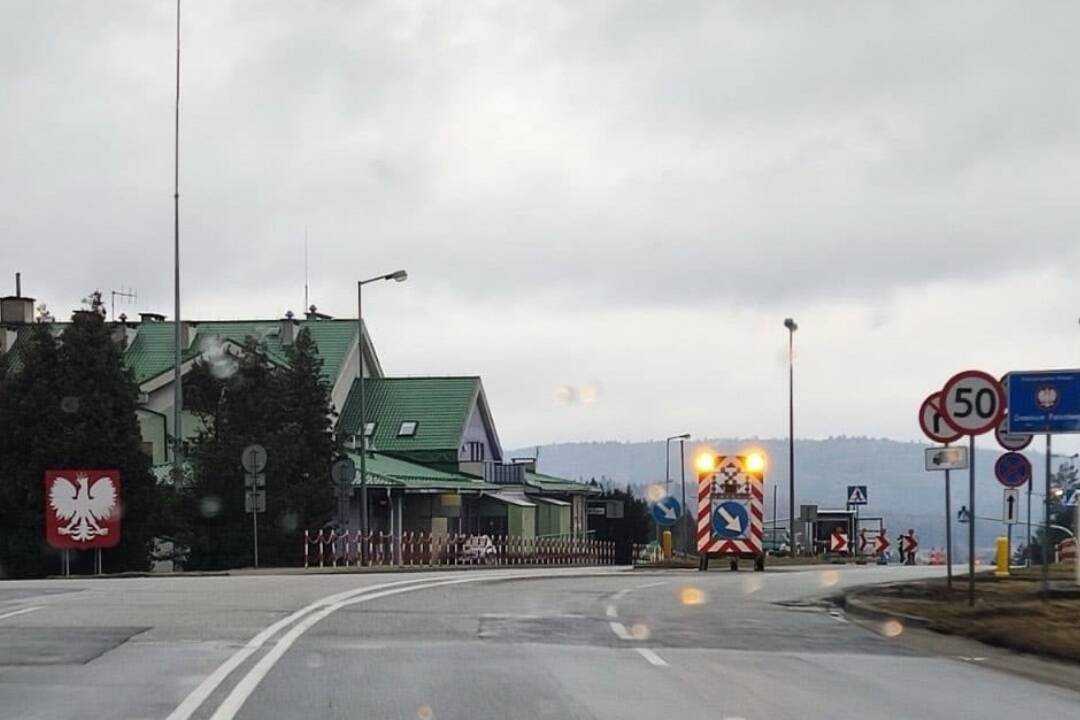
x,y
1012,469
666,510
730,520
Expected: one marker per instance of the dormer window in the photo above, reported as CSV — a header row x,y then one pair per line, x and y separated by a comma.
x,y
407,429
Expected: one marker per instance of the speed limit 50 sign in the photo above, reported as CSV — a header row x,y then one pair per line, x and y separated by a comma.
x,y
972,402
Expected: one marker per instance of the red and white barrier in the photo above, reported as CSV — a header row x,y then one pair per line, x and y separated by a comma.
x,y
331,547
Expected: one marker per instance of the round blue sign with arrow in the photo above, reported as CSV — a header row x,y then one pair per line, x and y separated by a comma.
x,y
1012,469
666,510
730,520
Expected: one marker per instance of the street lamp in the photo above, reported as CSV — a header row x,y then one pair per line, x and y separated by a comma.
x,y
791,326
396,276
667,466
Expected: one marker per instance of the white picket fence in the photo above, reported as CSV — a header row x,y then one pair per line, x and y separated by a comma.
x,y
331,548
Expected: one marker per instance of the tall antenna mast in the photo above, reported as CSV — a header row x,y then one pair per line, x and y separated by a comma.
x,y
178,395
305,272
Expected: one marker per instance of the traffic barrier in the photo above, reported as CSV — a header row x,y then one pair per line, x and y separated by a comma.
x,y
1066,549
347,548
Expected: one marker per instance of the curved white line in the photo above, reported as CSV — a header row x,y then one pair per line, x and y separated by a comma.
x,y
197,696
247,684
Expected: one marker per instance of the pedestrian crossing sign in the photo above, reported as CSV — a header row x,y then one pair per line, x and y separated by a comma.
x,y
856,495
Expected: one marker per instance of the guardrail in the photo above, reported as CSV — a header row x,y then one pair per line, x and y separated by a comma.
x,y
333,548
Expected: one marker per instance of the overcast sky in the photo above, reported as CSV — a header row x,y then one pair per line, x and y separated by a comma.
x,y
606,209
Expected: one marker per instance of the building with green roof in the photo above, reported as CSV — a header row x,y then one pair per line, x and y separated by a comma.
x,y
435,463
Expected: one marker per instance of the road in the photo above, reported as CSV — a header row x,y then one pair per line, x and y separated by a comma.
x,y
564,643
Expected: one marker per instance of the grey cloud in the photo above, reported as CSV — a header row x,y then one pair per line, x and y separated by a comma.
x,y
652,153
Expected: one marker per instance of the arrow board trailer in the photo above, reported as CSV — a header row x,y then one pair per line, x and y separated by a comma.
x,y
731,513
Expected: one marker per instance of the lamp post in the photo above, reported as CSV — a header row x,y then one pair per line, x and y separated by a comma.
x,y
396,276
686,525
667,467
791,326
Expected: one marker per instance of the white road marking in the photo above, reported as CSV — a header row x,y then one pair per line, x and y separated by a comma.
x,y
23,611
652,657
620,631
612,611
197,696
249,682
652,584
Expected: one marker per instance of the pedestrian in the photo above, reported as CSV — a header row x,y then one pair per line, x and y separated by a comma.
x,y
912,544
900,548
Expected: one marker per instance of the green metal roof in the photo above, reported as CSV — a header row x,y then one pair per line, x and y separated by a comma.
x,y
439,405
386,471
550,483
151,352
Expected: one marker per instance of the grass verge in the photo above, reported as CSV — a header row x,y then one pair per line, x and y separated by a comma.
x,y
1008,612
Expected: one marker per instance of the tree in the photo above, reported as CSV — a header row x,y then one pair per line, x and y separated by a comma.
x,y
288,410
72,404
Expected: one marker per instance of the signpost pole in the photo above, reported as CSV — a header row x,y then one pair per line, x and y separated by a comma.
x,y
1046,527
948,534
255,535
971,522
1027,549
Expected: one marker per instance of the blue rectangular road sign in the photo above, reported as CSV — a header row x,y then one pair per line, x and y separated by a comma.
x,y
856,495
1046,401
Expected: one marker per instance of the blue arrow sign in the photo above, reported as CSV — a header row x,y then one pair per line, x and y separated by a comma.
x,y
666,510
730,520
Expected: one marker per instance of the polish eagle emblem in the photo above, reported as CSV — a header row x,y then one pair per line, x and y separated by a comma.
x,y
83,506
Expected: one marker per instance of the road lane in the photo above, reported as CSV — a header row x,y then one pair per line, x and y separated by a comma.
x,y
545,649
740,644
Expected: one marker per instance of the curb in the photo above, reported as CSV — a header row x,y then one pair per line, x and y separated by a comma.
x,y
854,605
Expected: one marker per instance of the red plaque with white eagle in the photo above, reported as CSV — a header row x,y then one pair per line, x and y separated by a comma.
x,y
82,508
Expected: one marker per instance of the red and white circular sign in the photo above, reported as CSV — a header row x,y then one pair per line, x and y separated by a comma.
x,y
972,402
932,422
1010,441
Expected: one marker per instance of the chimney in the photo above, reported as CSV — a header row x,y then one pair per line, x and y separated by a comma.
x,y
16,309
187,334
288,329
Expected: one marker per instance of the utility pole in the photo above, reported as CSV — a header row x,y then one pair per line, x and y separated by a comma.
x,y
178,393
791,326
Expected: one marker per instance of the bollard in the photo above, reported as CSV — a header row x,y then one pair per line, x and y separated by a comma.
x,y
1002,557
665,544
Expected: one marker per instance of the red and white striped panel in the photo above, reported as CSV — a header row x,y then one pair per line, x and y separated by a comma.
x,y
750,545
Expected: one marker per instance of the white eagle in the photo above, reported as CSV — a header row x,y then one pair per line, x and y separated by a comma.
x,y
82,506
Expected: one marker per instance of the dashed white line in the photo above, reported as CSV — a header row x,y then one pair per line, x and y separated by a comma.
x,y
23,611
620,631
652,657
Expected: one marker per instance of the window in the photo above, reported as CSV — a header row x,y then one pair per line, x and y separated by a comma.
x,y
407,429
369,429
474,451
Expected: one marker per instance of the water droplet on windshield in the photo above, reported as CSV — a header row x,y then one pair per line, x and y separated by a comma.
x,y
210,506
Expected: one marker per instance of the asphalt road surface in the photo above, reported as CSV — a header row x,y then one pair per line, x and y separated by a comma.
x,y
478,645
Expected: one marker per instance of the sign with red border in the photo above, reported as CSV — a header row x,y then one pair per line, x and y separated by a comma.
x,y
972,402
933,422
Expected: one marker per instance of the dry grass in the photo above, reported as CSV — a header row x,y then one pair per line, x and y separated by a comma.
x,y
1008,612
